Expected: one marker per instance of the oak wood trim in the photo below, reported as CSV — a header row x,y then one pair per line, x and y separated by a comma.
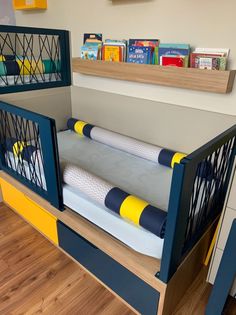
x,y
187,272
187,78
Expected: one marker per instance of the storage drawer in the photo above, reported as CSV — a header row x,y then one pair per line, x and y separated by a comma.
x,y
229,216
127,285
216,262
232,194
32,212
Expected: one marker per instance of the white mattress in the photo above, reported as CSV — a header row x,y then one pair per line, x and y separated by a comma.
x,y
148,180
135,175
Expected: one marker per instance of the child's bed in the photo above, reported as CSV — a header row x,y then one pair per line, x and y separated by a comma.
x,y
150,269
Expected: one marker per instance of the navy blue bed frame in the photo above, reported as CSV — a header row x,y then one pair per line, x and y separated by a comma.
x,y
64,48
46,132
220,152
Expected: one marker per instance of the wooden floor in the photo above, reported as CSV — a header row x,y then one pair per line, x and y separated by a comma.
x,y
37,278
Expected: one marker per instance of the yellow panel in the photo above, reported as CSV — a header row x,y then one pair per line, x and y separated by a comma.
x,y
2,58
132,208
177,158
29,4
45,222
79,126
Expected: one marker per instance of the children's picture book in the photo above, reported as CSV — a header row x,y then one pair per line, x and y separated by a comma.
x,y
112,53
174,50
116,42
92,46
140,54
209,58
92,38
208,62
89,52
147,43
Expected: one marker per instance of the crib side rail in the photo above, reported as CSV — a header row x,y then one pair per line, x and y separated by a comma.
x,y
33,58
29,151
197,197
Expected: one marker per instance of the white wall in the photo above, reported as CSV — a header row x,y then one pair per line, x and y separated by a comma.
x,y
175,127
7,15
200,23
54,103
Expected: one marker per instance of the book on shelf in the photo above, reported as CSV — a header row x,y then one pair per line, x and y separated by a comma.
x,y
92,46
209,58
89,52
140,54
174,50
112,53
147,43
121,43
92,38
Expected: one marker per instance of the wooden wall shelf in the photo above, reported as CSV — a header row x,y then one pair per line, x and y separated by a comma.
x,y
187,78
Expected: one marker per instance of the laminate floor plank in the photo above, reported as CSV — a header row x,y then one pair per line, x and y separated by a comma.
x,y
37,278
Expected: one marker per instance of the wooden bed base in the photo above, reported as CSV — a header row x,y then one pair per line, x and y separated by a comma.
x,y
141,269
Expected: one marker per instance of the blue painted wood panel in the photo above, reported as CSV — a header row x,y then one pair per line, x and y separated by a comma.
x,y
126,284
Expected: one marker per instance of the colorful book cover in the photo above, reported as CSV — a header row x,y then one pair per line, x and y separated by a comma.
x,y
144,42
174,50
176,61
147,43
210,62
89,52
207,63
219,63
116,42
195,55
111,53
139,54
92,38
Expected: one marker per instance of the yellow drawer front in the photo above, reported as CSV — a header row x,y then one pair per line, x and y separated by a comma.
x,y
32,212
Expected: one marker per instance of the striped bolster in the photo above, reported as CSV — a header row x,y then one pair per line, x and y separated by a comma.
x,y
21,66
117,200
80,127
158,155
169,157
20,149
136,210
